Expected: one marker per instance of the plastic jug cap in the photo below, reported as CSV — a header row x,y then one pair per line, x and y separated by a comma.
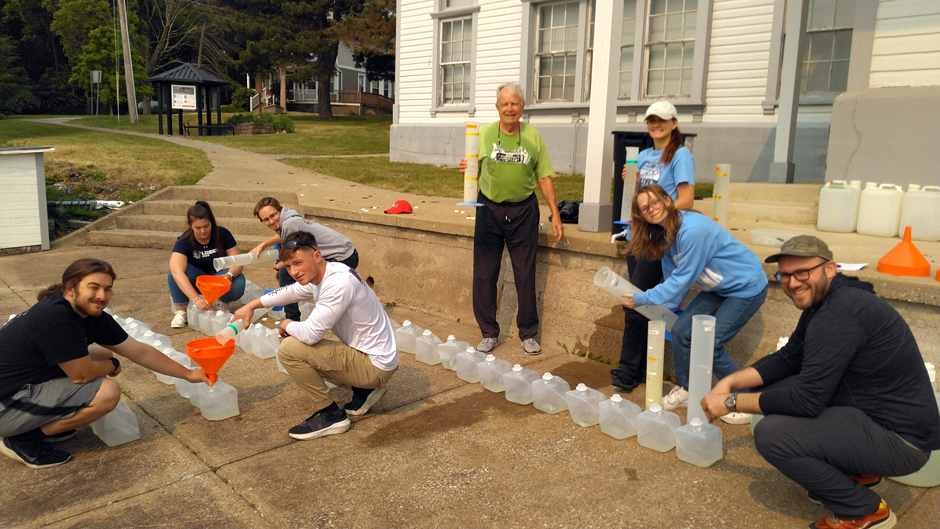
x,y
406,323
451,338
471,350
547,376
427,332
517,368
148,334
581,387
871,185
616,398
656,408
490,358
696,423
913,187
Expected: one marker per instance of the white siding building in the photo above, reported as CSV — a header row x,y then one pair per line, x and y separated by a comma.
x,y
24,223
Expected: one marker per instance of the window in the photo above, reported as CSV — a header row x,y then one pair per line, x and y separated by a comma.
x,y
627,42
825,67
556,51
456,49
450,4
388,89
670,48
362,82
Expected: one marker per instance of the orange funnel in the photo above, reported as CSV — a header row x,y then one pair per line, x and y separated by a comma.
x,y
212,287
905,260
210,355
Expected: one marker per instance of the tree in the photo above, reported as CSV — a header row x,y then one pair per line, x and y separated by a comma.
x,y
99,54
15,85
370,34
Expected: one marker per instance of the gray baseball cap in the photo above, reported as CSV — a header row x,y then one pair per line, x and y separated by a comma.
x,y
802,246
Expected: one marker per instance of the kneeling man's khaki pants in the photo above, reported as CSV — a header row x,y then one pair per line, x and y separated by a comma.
x,y
310,365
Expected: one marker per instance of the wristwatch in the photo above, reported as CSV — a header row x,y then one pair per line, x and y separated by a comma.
x,y
116,362
731,402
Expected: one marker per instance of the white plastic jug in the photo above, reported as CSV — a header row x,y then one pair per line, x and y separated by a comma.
x,y
449,350
929,474
921,211
879,212
618,417
117,427
838,207
467,363
656,429
518,384
218,402
405,337
583,405
426,348
548,394
268,343
698,443
491,371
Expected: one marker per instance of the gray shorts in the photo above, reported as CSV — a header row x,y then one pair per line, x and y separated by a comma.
x,y
37,404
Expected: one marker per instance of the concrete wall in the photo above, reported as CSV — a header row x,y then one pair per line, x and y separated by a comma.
x,y
877,131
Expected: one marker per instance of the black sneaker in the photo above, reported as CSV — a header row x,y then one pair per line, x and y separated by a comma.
x,y
363,399
625,383
33,454
322,423
59,437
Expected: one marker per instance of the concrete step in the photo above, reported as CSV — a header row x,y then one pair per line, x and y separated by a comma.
x,y
223,194
153,239
807,194
178,208
240,227
753,211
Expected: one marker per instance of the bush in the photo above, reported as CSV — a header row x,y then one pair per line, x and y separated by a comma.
x,y
241,98
281,122
230,109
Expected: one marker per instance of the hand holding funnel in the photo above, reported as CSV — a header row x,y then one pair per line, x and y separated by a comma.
x,y
212,287
210,355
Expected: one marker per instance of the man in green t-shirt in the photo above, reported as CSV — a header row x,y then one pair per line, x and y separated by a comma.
x,y
513,160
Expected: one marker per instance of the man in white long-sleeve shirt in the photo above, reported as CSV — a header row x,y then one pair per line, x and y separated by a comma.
x,y
367,356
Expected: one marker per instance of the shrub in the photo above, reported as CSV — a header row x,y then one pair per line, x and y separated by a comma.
x,y
230,109
280,121
241,98
283,123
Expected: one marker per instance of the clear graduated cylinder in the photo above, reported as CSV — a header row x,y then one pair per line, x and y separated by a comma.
x,y
242,259
117,427
656,429
629,181
230,331
656,338
720,194
467,363
426,348
615,285
583,405
618,417
548,394
449,350
518,384
700,364
218,402
491,371
406,336
699,443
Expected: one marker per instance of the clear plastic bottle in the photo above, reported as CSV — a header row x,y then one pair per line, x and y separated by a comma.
x,y
449,350
491,371
406,336
656,429
467,362
618,417
117,427
218,402
426,348
518,384
698,443
583,405
548,394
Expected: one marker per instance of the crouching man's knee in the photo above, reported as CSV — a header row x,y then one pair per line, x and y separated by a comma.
x,y
107,397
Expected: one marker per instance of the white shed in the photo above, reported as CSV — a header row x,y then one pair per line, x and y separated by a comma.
x,y
24,222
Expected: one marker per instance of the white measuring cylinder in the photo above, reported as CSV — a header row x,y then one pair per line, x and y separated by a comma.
x,y
629,182
470,176
722,186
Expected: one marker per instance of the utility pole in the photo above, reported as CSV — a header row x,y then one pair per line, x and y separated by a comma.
x,y
128,65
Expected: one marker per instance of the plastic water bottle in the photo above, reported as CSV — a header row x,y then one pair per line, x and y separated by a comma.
x,y
117,427
467,363
618,417
269,343
230,331
548,394
426,348
406,336
583,405
656,429
491,371
698,443
449,350
518,384
218,402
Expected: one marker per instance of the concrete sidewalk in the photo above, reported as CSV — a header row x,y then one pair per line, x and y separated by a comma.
x,y
435,452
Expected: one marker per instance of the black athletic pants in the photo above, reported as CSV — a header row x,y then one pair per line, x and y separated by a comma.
x,y
292,311
820,453
515,224
644,274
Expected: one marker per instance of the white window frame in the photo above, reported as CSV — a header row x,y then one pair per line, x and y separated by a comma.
x,y
578,53
808,49
443,13
361,82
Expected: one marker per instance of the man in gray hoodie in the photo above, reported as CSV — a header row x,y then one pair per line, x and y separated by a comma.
x,y
283,221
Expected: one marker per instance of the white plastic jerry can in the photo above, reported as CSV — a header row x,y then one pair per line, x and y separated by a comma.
x,y
117,427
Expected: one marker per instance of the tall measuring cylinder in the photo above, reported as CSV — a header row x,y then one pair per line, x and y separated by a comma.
x,y
720,194
471,175
700,364
629,181
654,362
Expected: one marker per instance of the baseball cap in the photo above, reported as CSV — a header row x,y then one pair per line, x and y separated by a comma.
x,y
400,206
663,110
802,246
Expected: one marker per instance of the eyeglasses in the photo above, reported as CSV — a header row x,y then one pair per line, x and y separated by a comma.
x,y
653,204
270,219
800,275
293,244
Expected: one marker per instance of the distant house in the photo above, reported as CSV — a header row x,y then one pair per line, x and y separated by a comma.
x,y
870,75
304,96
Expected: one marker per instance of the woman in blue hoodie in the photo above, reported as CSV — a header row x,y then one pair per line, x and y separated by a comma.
x,y
694,251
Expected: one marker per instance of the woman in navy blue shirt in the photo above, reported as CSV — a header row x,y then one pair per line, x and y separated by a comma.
x,y
192,256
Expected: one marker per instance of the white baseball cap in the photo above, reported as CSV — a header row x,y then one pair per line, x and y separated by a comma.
x,y
663,110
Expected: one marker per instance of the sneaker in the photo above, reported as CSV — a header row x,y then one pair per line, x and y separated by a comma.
x,y
737,417
883,518
59,437
363,399
531,347
873,483
33,454
677,398
179,320
625,383
320,424
487,345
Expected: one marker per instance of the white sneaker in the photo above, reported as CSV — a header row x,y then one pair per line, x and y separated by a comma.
x,y
677,398
737,417
487,345
179,320
531,347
